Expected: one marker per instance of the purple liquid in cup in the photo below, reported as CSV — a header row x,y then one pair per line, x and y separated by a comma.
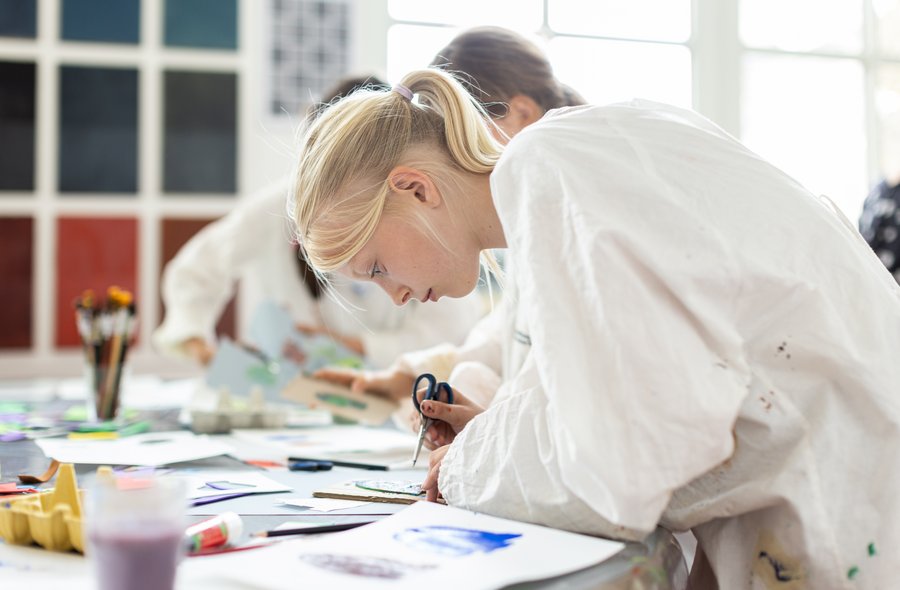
x,y
137,560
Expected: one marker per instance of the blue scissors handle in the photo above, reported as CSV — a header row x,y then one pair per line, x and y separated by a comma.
x,y
433,392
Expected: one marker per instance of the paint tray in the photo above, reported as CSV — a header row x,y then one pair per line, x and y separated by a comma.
x,y
228,415
52,519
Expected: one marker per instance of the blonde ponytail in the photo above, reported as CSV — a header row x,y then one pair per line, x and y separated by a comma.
x,y
341,183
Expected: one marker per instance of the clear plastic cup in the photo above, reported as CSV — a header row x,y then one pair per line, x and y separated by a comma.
x,y
135,532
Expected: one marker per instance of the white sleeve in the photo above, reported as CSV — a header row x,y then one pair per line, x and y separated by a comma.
x,y
446,322
484,470
638,371
199,281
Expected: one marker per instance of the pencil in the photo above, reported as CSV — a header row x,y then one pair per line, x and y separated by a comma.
x,y
329,528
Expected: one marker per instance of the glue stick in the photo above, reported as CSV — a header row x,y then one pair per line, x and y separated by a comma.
x,y
214,532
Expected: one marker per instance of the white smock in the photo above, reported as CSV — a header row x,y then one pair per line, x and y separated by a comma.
x,y
252,244
711,347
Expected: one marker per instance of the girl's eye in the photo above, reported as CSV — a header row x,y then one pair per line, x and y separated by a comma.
x,y
375,271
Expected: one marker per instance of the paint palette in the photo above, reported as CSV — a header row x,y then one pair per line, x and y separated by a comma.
x,y
317,394
52,519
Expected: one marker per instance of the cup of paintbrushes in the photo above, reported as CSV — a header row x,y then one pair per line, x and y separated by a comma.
x,y
106,329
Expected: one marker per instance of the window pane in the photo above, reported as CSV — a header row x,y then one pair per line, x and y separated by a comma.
x,y
17,85
803,25
98,113
887,103
410,47
523,15
18,18
114,21
671,19
806,116
201,23
620,70
200,132
887,13
16,260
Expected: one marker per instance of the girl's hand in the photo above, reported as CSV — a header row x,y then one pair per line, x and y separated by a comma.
x,y
448,420
430,485
199,349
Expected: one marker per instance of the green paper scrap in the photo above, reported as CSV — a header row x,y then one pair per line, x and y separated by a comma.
x,y
135,428
871,549
13,408
77,413
107,426
851,573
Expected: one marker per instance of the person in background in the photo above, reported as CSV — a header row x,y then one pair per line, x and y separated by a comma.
x,y
879,224
514,81
708,367
508,74
253,244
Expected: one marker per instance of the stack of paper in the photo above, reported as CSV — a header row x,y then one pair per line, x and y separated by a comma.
x,y
377,447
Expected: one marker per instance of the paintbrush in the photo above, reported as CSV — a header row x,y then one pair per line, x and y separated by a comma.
x,y
328,528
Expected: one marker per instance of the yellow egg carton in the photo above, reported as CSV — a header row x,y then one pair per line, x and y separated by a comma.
x,y
52,519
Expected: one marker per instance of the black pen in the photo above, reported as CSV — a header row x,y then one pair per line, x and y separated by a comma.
x,y
329,528
370,466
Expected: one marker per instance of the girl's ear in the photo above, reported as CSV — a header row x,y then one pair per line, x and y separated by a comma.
x,y
408,181
523,111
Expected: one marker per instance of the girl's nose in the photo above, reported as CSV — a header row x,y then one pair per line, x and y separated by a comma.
x,y
399,295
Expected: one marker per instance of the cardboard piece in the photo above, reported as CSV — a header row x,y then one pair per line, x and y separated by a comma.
x,y
348,490
364,408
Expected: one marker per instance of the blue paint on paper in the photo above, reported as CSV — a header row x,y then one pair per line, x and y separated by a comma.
x,y
454,541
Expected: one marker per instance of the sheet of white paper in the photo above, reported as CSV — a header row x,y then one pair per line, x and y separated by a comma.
x,y
424,546
324,504
201,484
361,444
34,567
152,448
154,394
27,390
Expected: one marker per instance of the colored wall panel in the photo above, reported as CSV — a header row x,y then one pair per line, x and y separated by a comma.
x,y
200,145
110,21
175,233
98,113
17,89
16,269
18,18
210,24
92,253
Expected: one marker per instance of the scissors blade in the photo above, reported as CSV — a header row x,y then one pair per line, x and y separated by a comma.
x,y
425,424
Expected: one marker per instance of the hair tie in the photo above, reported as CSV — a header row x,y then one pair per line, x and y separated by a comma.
x,y
403,91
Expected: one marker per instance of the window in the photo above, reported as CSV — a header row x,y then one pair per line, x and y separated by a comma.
x,y
812,87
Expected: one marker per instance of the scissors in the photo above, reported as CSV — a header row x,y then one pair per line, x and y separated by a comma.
x,y
433,393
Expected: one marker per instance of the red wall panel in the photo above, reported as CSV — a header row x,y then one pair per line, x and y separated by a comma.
x,y
92,253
